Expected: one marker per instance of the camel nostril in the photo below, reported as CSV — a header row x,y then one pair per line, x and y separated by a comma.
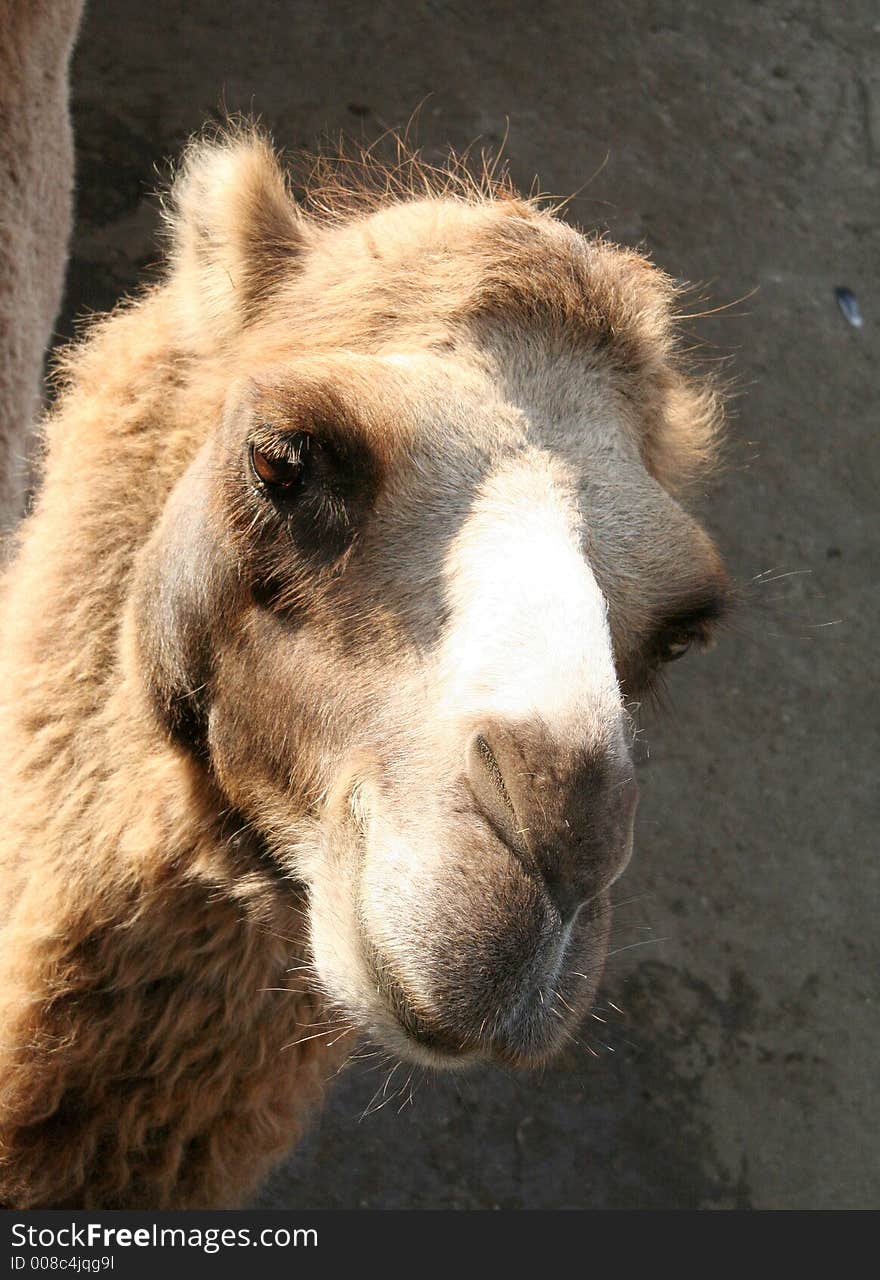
x,y
565,813
491,794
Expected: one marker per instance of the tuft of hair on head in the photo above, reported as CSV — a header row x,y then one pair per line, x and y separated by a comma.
x,y
234,229
346,180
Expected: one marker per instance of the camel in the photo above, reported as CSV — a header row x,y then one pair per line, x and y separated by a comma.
x,y
36,184
358,535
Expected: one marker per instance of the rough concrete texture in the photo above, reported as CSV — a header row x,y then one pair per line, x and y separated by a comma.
x,y
738,141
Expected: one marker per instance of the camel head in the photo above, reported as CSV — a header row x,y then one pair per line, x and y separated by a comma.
x,y
426,552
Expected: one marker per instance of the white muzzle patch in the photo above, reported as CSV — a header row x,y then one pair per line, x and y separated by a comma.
x,y
529,635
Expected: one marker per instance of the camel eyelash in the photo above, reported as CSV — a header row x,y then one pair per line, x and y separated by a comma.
x,y
278,466
691,628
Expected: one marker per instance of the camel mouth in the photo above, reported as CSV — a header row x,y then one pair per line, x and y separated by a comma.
x,y
424,1034
437,970
534,1028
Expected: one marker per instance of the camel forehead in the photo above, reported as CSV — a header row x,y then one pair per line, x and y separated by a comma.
x,y
436,273
438,226
443,413
460,261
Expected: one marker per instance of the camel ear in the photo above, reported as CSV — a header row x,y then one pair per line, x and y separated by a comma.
x,y
182,581
235,233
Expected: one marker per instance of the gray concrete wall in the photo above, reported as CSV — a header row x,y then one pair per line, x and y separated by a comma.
x,y
739,142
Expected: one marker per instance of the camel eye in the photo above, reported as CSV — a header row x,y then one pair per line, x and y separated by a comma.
x,y
281,471
675,645
689,627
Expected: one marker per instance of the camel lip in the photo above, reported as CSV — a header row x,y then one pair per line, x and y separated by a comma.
x,y
536,1031
535,1026
440,1047
395,1022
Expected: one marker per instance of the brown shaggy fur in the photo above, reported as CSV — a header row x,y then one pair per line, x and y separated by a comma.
x,y
146,940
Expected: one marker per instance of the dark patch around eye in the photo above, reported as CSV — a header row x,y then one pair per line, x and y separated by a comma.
x,y
689,626
697,619
310,489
